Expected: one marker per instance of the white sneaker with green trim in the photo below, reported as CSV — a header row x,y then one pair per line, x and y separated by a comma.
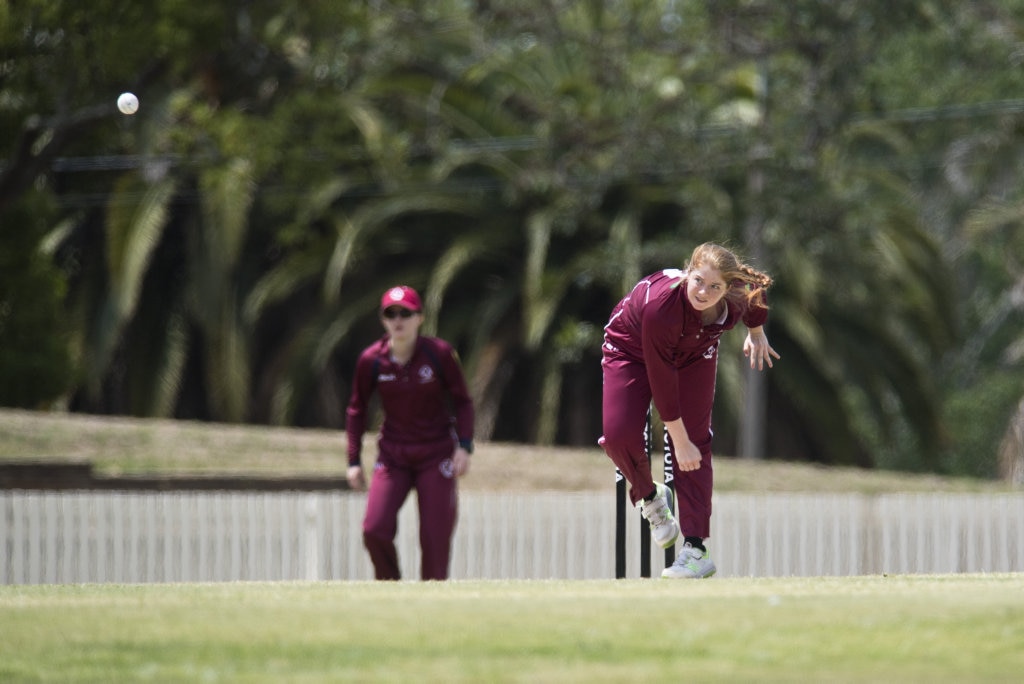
x,y
691,563
664,528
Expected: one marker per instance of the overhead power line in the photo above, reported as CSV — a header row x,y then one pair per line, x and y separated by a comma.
x,y
945,112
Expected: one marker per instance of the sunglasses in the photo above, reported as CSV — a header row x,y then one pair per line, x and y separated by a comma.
x,y
397,312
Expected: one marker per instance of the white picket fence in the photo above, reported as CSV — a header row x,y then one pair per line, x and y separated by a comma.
x,y
62,537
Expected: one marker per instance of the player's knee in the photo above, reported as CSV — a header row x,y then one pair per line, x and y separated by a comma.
x,y
619,441
374,535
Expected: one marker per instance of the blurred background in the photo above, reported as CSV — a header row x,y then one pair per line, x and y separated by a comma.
x,y
219,255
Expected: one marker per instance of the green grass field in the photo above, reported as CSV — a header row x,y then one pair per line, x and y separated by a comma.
x,y
909,628
866,629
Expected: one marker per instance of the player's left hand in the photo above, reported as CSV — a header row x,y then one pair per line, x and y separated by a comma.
x,y
460,462
756,347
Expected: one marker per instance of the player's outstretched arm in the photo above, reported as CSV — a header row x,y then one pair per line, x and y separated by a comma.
x,y
757,349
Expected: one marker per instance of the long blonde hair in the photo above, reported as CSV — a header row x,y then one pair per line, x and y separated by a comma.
x,y
744,281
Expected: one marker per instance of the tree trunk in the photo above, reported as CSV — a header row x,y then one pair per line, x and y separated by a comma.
x,y
751,439
1011,450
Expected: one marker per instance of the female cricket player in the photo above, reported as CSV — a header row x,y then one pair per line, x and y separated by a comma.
x,y
425,440
661,343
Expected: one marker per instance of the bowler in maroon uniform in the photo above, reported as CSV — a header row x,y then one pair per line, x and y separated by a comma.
x,y
425,440
661,344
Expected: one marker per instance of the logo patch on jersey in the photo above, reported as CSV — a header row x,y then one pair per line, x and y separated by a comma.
x,y
447,468
426,373
710,353
675,273
387,377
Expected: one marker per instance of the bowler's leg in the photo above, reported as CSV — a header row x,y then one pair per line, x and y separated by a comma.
x,y
625,401
694,487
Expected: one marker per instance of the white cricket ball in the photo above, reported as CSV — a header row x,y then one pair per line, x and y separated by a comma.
x,y
128,103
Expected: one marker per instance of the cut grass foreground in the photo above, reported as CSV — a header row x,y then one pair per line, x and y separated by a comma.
x,y
906,628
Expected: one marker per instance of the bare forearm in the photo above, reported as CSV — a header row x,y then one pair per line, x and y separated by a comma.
x,y
677,431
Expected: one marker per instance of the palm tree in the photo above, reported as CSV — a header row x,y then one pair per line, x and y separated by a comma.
x,y
524,167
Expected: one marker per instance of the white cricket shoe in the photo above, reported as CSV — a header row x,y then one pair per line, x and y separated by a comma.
x,y
664,528
691,563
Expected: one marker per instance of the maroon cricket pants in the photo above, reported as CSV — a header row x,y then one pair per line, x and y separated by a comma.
x,y
398,471
626,398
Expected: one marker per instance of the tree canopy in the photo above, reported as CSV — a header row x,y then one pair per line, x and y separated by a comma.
x,y
219,254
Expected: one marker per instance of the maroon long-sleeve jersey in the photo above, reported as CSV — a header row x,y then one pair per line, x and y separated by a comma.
x,y
424,401
656,325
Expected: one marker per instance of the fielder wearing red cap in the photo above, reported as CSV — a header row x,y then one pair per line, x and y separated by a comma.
x,y
423,444
402,296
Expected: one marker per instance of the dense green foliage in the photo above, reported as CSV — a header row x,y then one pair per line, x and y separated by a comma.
x,y
36,362
522,163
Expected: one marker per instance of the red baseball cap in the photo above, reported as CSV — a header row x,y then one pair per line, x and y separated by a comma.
x,y
403,296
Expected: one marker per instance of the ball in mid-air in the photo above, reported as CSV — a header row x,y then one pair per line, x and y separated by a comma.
x,y
128,103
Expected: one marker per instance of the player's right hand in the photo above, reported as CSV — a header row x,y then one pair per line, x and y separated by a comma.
x,y
688,457
356,480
